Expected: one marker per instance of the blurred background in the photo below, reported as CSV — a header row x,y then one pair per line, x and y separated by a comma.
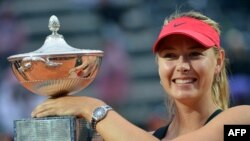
x,y
125,30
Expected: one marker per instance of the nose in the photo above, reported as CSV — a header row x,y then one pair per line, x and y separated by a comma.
x,y
183,65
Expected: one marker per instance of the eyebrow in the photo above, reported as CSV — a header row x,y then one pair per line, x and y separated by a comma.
x,y
166,48
196,47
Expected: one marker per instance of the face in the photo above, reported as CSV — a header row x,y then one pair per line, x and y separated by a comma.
x,y
186,68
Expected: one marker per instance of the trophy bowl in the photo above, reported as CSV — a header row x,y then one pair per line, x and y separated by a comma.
x,y
56,69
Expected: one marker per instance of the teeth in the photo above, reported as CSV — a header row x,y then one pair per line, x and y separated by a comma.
x,y
183,81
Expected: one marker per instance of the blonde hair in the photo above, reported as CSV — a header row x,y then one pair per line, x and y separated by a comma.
x,y
220,88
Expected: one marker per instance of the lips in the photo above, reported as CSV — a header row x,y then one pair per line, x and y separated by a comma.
x,y
184,80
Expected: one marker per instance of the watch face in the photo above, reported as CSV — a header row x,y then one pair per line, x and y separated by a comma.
x,y
99,113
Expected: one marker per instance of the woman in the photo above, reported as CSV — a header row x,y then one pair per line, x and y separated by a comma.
x,y
192,72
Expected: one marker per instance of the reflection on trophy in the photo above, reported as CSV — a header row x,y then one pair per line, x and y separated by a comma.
x,y
56,69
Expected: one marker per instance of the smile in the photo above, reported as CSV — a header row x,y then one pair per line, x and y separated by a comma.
x,y
184,81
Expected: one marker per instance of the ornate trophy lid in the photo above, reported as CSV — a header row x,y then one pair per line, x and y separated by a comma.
x,y
56,45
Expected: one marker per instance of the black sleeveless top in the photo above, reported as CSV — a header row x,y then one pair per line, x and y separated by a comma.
x,y
161,132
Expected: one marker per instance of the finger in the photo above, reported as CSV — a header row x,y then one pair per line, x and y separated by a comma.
x,y
53,112
48,105
45,113
37,111
41,108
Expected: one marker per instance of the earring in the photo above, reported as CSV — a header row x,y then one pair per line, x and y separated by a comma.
x,y
217,77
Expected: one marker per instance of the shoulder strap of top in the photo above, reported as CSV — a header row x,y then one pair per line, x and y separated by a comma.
x,y
215,113
161,132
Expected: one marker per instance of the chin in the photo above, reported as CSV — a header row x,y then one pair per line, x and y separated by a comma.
x,y
185,95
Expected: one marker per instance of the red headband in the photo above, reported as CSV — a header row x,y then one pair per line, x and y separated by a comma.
x,y
194,28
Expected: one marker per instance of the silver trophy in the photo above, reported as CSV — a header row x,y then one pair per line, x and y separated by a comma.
x,y
55,69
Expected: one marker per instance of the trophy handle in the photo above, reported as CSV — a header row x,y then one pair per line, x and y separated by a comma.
x,y
27,62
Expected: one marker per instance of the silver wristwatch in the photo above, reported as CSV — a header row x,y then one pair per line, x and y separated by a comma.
x,y
99,114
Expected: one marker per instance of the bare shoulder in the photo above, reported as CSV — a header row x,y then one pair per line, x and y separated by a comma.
x,y
214,130
233,115
240,107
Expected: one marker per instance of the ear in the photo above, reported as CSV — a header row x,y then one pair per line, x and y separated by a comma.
x,y
220,61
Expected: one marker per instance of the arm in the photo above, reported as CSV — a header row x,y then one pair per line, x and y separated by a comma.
x,y
112,128
115,127
214,130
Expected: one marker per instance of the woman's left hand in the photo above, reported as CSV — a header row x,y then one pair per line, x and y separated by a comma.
x,y
80,106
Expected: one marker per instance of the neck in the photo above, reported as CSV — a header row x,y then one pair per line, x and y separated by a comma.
x,y
190,117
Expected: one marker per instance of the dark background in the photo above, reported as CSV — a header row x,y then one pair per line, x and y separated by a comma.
x,y
125,30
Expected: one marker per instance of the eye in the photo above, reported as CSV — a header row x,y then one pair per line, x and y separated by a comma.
x,y
169,55
195,54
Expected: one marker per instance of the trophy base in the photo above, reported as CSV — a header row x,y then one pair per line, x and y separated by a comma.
x,y
63,128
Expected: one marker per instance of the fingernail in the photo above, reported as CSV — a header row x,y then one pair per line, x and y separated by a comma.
x,y
32,114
